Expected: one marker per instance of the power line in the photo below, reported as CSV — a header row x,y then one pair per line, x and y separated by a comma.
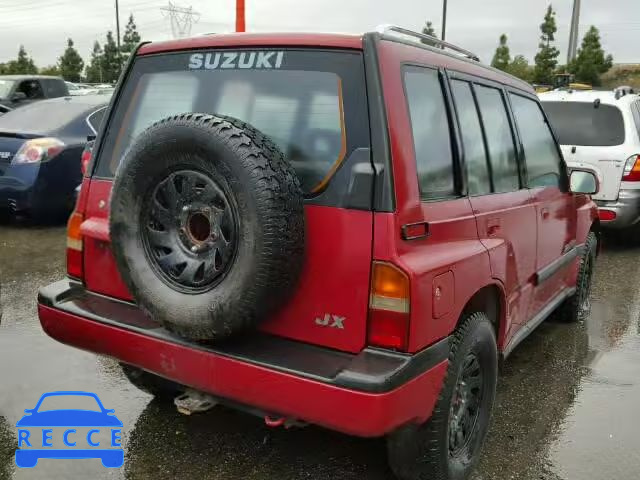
x,y
181,19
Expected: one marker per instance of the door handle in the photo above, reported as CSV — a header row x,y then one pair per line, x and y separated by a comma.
x,y
544,213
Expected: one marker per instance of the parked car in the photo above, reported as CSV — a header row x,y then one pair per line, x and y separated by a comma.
x,y
20,90
602,129
40,152
373,221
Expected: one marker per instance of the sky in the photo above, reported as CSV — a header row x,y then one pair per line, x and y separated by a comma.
x,y
43,26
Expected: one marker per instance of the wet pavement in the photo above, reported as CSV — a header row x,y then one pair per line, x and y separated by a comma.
x,y
567,405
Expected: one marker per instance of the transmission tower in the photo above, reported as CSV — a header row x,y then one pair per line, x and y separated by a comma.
x,y
181,18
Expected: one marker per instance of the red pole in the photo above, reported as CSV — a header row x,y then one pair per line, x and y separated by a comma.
x,y
240,19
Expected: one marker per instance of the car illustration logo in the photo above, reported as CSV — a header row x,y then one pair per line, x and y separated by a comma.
x,y
69,433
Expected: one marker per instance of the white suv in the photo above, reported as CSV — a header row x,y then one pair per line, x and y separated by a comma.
x,y
601,130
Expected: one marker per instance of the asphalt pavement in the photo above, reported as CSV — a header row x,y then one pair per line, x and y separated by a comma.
x,y
567,404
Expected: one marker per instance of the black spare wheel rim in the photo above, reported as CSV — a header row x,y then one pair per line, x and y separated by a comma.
x,y
190,230
465,405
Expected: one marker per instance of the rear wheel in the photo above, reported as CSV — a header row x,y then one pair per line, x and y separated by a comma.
x,y
578,306
448,445
152,384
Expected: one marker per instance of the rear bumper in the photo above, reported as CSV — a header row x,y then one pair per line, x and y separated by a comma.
x,y
367,394
626,208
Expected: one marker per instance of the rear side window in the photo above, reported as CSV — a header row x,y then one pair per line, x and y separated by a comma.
x,y
95,119
580,123
541,151
296,97
635,109
431,136
502,151
475,158
54,88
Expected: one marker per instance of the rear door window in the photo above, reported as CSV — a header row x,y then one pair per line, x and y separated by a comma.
x,y
431,135
500,142
301,104
54,88
475,157
542,157
582,124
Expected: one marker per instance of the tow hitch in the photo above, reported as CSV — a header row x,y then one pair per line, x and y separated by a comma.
x,y
193,401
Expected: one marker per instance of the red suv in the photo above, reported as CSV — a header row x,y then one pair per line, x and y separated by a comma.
x,y
340,230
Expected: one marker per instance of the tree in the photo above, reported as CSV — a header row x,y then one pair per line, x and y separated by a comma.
x,y
519,67
502,57
131,37
94,69
111,63
22,65
591,61
52,70
547,57
428,30
71,63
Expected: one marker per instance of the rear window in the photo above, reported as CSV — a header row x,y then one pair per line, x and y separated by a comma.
x,y
580,123
312,104
43,117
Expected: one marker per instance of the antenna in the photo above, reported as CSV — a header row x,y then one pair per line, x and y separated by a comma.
x,y
181,18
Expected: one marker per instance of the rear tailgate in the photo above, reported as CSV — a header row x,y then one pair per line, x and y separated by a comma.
x,y
609,161
312,103
334,281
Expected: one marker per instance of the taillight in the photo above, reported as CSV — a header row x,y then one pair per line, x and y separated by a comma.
x,y
631,172
38,150
389,307
607,215
86,158
84,162
74,246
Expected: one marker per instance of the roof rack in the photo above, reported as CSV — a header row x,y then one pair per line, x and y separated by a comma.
x,y
622,91
386,29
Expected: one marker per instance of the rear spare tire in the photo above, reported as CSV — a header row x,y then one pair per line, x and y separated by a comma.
x,y
207,225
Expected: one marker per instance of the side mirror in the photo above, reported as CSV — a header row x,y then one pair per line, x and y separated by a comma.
x,y
18,97
584,181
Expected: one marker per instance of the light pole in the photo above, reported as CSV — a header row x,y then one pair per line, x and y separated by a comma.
x,y
240,16
117,28
573,32
444,21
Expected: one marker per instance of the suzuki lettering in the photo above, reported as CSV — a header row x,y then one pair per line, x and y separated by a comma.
x,y
236,60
